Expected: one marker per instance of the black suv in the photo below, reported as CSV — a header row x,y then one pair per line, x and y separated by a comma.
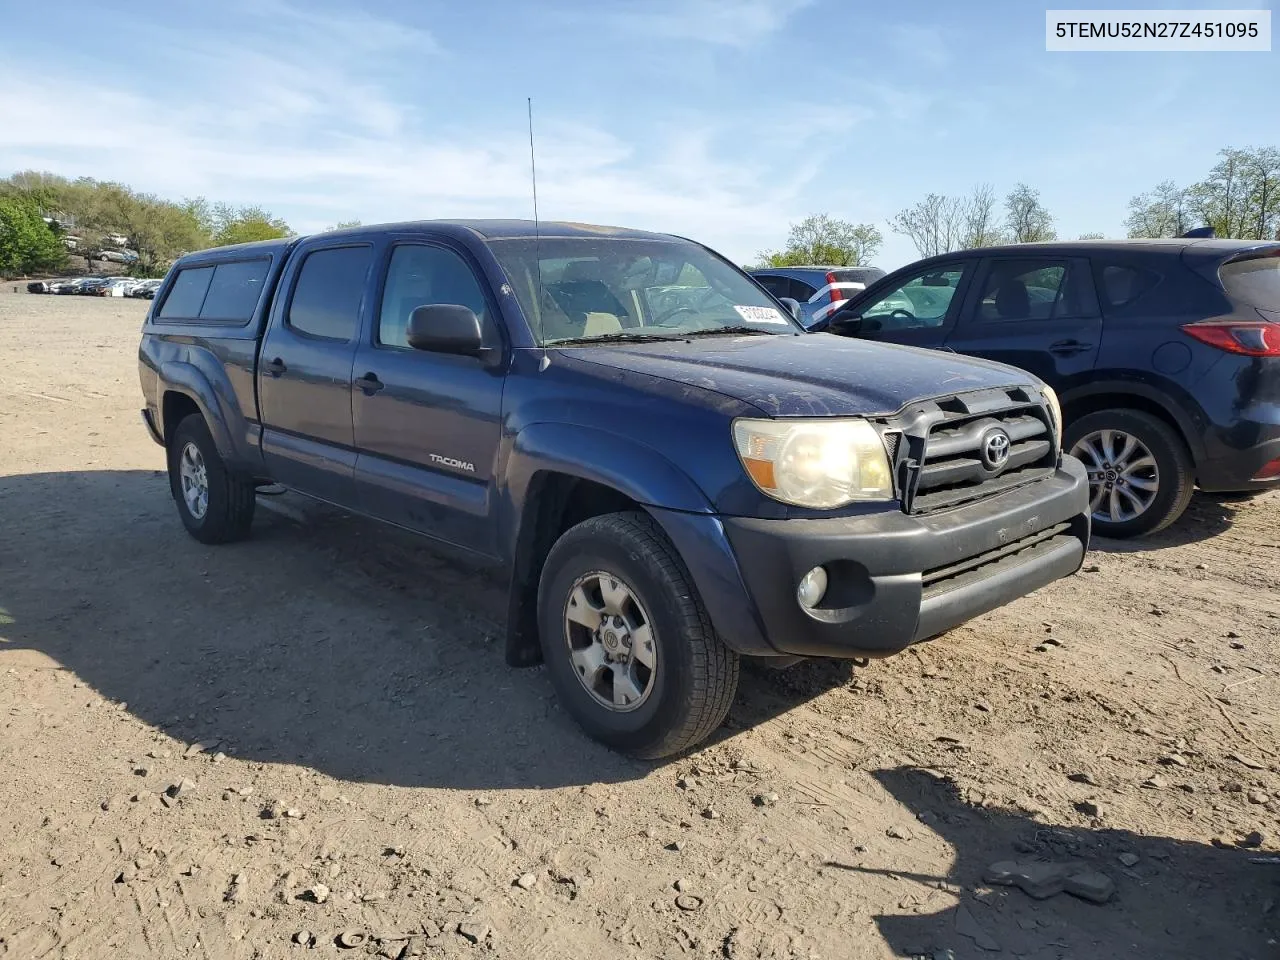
x,y
1165,353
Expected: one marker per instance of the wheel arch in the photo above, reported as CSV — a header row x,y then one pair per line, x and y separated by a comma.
x,y
1119,394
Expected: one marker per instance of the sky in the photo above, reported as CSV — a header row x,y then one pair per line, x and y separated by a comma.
x,y
721,120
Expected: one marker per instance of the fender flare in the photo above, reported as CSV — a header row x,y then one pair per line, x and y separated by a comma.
x,y
1176,407
638,472
178,376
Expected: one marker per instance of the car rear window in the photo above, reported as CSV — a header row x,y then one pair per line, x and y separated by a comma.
x,y
863,275
187,294
1255,281
223,293
234,291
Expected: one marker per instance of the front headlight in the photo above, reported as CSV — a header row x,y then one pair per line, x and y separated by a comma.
x,y
815,463
1055,409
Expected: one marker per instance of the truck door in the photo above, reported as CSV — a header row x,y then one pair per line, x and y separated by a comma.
x,y
304,371
427,425
1037,313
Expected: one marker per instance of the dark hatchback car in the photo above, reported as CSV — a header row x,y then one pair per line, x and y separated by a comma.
x,y
1165,354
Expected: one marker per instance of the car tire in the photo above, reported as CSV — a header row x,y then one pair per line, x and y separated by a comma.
x,y
216,505
1158,459
684,692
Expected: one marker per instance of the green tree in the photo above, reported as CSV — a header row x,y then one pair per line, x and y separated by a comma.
x,y
821,239
27,244
244,225
1241,196
1026,218
1162,212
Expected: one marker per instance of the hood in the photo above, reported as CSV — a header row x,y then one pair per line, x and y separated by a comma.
x,y
813,375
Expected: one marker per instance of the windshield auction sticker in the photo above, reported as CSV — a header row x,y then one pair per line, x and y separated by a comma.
x,y
761,315
1129,30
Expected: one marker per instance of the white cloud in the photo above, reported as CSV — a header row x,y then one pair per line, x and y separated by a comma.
x,y
735,23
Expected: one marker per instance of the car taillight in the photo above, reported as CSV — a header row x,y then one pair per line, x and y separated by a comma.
x,y
836,297
1270,472
1249,339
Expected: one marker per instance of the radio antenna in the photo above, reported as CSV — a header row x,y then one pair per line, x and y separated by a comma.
x,y
537,245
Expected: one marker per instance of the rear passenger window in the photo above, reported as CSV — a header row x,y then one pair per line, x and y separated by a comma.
x,y
187,294
1120,285
326,298
234,291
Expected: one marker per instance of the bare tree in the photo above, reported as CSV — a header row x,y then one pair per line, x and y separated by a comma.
x,y
982,227
1025,216
936,224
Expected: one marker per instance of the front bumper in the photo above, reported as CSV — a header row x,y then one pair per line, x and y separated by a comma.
x,y
896,579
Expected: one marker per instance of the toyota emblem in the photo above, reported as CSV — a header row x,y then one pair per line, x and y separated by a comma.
x,y
995,450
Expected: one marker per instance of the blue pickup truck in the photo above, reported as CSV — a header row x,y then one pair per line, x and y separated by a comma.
x,y
672,472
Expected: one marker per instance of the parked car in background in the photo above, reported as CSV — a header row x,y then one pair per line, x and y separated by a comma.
x,y
39,286
818,290
116,256
92,285
1165,353
115,287
145,289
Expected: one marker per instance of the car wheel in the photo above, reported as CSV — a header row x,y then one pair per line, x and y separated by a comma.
x,y
1140,473
627,642
215,504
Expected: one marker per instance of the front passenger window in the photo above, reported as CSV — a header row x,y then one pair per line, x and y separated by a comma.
x,y
921,302
419,275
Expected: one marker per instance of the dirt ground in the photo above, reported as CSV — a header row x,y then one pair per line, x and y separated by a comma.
x,y
351,759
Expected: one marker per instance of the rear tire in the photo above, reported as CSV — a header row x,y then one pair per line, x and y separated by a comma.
x,y
613,594
1141,477
215,504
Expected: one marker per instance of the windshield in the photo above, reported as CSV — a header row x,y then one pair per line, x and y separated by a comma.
x,y
601,288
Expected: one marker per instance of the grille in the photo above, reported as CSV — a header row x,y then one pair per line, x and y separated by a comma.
x,y
942,454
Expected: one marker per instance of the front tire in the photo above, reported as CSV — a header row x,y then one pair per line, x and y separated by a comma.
x,y
1141,477
627,642
215,504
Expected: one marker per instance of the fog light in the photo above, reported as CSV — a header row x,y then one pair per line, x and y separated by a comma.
x,y
812,588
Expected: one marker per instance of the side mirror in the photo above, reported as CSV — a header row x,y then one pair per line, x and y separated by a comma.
x,y
445,328
793,307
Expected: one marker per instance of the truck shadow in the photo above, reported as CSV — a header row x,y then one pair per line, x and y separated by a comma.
x,y
335,642
1179,899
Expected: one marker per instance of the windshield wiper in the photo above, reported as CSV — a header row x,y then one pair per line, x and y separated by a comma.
x,y
737,331
616,338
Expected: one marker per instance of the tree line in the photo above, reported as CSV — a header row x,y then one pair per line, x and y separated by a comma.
x,y
1239,198
38,211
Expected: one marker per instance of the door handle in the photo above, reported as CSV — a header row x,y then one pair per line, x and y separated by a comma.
x,y
370,384
276,367
1069,347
